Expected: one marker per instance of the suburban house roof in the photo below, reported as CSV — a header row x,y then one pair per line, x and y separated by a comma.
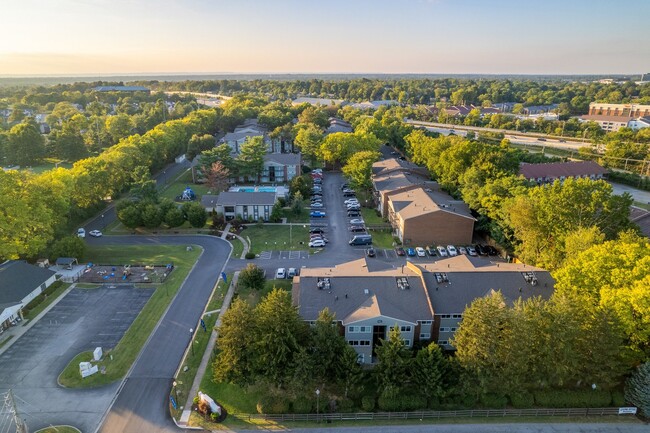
x,y
464,279
355,293
559,169
283,158
18,279
421,201
236,136
317,101
641,217
338,125
374,104
229,198
393,181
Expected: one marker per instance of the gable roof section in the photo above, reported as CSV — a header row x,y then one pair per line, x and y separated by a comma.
x,y
283,158
421,201
18,279
230,198
389,164
393,181
559,169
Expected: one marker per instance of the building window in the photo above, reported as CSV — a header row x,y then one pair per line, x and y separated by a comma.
x,y
443,342
444,329
457,316
407,343
452,329
425,322
405,328
445,316
425,335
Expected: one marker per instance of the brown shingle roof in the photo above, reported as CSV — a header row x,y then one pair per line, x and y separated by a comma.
x,y
421,201
556,170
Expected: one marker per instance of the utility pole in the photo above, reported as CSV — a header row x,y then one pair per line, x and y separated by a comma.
x,y
10,407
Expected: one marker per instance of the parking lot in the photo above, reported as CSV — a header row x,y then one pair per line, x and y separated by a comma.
x,y
82,320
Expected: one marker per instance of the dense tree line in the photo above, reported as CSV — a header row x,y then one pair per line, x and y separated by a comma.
x,y
37,208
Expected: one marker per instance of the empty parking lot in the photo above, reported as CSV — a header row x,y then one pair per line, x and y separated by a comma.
x,y
82,320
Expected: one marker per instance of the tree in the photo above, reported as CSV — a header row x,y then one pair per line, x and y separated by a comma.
x,y
222,154
315,116
359,168
198,144
196,214
309,139
130,216
392,362
26,145
151,216
119,126
174,218
637,389
340,146
302,184
217,176
298,204
68,145
252,277
281,333
235,344
348,369
429,370
69,246
327,347
250,160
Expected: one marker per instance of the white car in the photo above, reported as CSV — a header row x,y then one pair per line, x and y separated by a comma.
x,y
420,252
452,250
280,274
316,205
95,233
351,201
317,243
462,250
471,251
292,272
442,252
81,233
356,221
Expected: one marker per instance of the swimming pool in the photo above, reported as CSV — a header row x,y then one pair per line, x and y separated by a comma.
x,y
254,189
267,189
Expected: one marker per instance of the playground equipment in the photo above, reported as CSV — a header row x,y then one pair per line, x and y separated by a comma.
x,y
126,272
187,195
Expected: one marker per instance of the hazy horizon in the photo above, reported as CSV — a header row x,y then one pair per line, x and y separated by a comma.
x,y
362,37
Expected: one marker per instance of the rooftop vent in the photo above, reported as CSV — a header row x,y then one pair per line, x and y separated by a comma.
x,y
366,291
402,283
530,278
324,283
441,277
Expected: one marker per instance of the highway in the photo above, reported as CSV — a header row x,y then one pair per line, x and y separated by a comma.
x,y
514,136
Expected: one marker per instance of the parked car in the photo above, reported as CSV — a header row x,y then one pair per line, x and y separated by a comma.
x,y
353,214
95,233
400,251
348,191
349,194
316,205
318,237
471,251
362,239
442,251
317,243
345,186
370,252
431,250
357,229
356,221
410,252
351,201
541,139
420,252
280,274
318,230
452,250
492,251
462,250
317,181
292,272
81,233
354,207
317,214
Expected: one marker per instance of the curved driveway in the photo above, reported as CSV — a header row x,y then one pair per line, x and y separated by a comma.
x,y
141,402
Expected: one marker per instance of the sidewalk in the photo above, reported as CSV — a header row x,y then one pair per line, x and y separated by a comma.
x,y
200,372
226,232
15,332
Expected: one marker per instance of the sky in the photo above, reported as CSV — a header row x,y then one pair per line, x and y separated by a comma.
x,y
68,37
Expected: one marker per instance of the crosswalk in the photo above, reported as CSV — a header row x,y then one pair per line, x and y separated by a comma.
x,y
288,255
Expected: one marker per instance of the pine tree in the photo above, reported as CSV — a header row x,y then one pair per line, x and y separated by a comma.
x,y
637,389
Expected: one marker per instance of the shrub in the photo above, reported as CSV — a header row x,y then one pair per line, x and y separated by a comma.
x,y
389,402
250,255
368,403
196,400
302,405
412,402
618,398
468,400
493,401
577,398
346,405
272,405
522,400
434,403
214,416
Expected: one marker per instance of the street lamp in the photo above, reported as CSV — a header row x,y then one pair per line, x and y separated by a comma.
x,y
103,225
191,335
317,404
175,390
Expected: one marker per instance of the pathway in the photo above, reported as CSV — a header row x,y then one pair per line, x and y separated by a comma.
x,y
208,353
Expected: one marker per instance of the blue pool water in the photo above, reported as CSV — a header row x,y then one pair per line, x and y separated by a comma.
x,y
266,189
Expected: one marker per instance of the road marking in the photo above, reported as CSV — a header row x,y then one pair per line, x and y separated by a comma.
x,y
266,255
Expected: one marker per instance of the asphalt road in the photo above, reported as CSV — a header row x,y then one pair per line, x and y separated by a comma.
x,y
141,404
483,428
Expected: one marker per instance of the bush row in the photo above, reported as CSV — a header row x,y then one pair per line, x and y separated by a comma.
x,y
402,402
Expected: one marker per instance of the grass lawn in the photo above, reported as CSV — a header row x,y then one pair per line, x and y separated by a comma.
x,y
237,248
645,206
48,164
46,301
6,340
293,218
175,188
382,238
281,237
370,216
59,429
131,343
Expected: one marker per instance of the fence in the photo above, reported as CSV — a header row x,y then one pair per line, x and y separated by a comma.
x,y
482,413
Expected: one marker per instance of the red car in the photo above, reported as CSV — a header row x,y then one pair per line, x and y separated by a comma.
x,y
400,251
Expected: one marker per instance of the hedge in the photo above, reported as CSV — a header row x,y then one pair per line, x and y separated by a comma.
x,y
368,403
494,401
47,292
302,405
272,405
522,400
577,398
